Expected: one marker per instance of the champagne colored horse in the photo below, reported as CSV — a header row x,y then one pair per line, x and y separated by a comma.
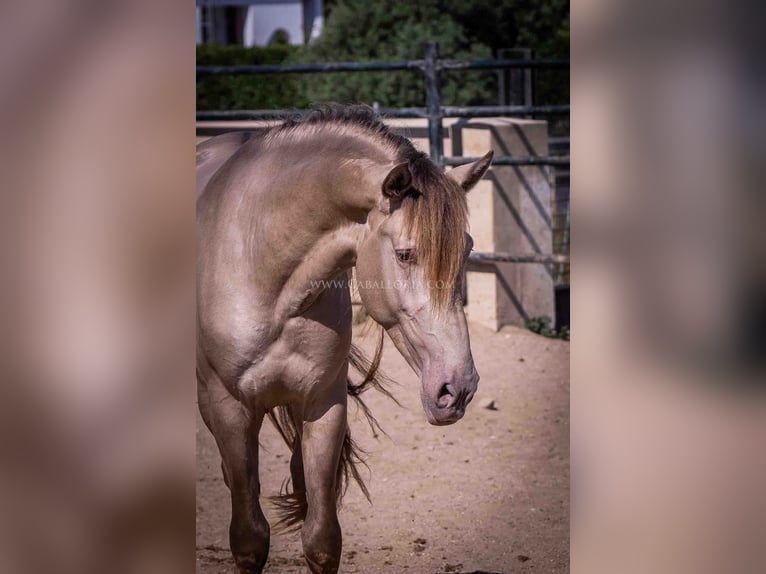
x,y
282,218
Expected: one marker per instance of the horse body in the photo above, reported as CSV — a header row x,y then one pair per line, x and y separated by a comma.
x,y
282,218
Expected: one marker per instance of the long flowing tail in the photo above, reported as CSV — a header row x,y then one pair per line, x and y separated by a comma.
x,y
291,504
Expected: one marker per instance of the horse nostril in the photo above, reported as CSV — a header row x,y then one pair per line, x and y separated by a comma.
x,y
446,396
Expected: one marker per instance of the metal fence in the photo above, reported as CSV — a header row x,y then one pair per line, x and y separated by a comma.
x,y
431,67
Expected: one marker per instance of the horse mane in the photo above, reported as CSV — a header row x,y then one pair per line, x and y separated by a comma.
x,y
437,214
435,207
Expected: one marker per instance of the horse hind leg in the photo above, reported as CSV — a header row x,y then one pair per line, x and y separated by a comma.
x,y
236,434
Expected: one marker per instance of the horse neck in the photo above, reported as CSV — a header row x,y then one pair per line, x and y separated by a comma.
x,y
333,194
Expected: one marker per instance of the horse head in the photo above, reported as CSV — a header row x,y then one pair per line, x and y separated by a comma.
x,y
408,271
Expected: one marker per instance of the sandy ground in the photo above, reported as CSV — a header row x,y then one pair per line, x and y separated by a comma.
x,y
489,494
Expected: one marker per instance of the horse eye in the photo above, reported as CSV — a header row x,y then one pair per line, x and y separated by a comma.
x,y
405,255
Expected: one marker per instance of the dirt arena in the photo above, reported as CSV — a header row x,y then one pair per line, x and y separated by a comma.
x,y
488,495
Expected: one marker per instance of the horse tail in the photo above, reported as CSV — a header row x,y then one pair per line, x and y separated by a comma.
x,y
352,456
351,459
290,504
372,379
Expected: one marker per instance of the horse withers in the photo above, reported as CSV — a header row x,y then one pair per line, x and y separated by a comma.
x,y
282,217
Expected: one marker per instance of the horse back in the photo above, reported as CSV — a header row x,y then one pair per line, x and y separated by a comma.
x,y
213,153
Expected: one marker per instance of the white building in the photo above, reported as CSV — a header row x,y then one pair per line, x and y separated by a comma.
x,y
259,22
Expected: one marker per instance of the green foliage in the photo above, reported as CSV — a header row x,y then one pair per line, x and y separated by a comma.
x,y
248,92
360,30
544,326
515,23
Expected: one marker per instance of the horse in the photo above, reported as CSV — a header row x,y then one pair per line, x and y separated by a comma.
x,y
282,218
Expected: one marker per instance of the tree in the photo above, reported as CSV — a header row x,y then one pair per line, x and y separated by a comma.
x,y
542,25
536,24
362,30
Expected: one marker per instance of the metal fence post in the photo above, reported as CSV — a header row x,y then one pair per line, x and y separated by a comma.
x,y
515,85
433,102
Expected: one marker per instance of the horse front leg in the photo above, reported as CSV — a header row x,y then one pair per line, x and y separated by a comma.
x,y
324,429
236,433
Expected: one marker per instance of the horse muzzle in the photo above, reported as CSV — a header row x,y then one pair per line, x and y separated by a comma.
x,y
447,404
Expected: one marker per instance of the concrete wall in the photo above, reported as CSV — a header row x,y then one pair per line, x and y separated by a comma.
x,y
511,213
263,20
258,20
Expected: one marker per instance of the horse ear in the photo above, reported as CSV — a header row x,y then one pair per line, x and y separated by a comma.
x,y
398,181
469,175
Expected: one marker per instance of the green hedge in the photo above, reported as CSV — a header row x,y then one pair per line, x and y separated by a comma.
x,y
249,92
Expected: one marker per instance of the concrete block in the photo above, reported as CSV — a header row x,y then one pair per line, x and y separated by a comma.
x,y
510,212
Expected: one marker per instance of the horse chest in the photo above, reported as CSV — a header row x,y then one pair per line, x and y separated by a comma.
x,y
302,360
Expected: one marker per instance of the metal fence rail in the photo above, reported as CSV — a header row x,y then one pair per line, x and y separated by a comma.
x,y
446,112
478,257
512,160
379,66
